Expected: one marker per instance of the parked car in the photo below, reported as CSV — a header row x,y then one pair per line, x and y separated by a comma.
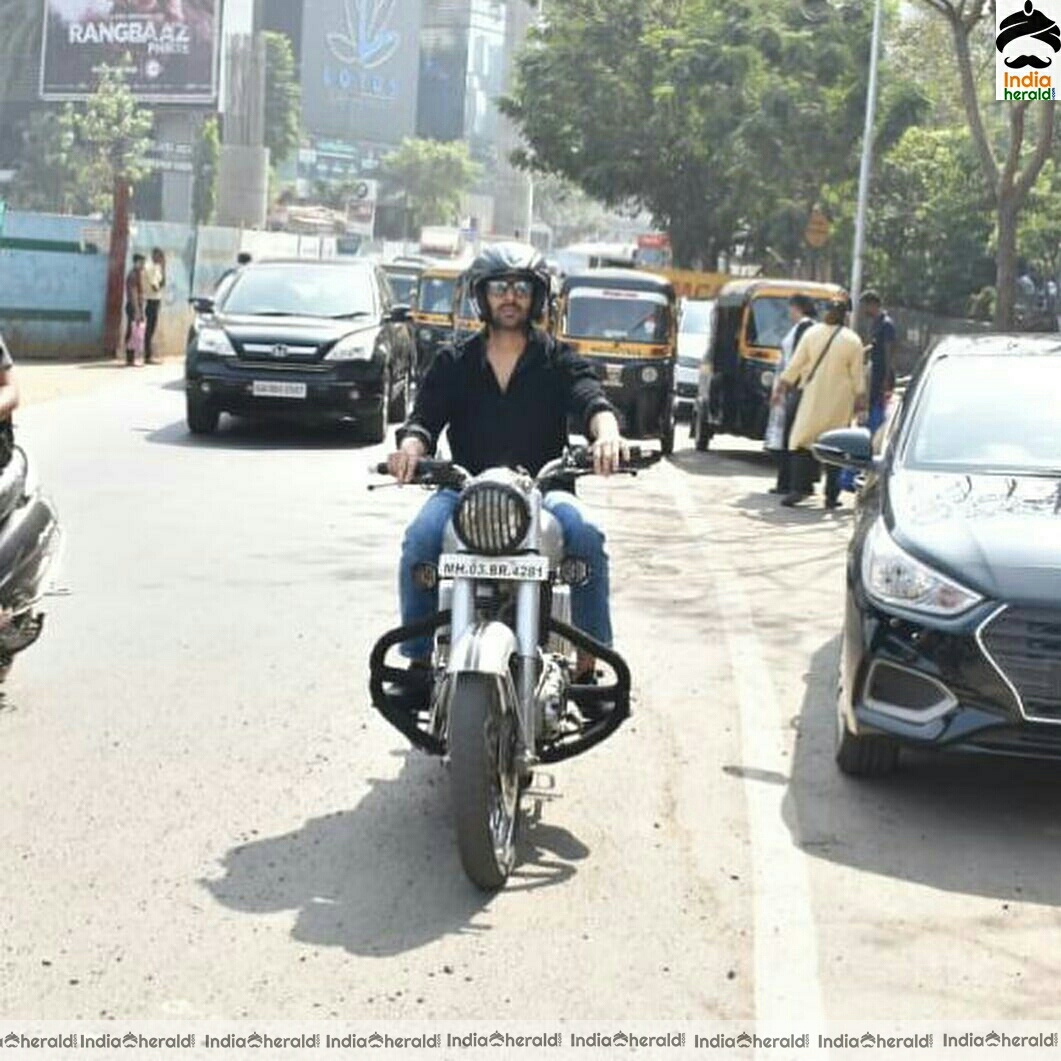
x,y
952,632
694,344
312,340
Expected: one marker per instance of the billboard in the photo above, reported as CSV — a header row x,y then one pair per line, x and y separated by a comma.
x,y
167,48
360,62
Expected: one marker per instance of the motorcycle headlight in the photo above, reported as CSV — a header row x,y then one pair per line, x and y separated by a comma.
x,y
491,518
213,340
893,577
352,348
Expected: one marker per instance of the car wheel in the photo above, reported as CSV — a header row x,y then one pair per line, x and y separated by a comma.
x,y
374,427
202,416
862,755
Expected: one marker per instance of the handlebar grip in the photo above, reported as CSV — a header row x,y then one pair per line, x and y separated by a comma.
x,y
380,469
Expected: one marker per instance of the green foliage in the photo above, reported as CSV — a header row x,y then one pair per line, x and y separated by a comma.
x,y
433,176
204,190
929,232
73,156
283,97
724,121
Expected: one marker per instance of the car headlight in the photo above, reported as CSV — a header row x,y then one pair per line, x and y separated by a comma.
x,y
892,576
213,340
649,374
767,379
352,348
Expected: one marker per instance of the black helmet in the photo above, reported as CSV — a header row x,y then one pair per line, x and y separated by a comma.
x,y
509,259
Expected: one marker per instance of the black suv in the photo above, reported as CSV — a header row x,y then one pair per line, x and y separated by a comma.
x,y
309,340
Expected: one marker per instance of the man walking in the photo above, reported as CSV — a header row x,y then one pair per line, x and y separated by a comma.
x,y
882,338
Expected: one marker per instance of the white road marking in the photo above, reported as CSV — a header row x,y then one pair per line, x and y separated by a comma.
x,y
787,980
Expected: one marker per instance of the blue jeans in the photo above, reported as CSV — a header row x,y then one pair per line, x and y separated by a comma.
x,y
423,545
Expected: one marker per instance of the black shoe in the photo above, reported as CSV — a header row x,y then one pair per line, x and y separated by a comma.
x,y
775,490
832,502
793,499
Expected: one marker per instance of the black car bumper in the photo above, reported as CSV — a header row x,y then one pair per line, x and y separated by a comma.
x,y
346,391
963,685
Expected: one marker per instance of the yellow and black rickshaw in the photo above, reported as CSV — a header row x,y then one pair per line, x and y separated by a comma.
x,y
466,320
737,374
624,322
434,311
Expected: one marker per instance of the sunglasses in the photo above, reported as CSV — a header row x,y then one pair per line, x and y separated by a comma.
x,y
520,288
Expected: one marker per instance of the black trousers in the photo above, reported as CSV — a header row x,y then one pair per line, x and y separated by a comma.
x,y
152,306
130,320
805,470
784,458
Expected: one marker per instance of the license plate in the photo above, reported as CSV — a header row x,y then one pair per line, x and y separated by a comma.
x,y
508,568
277,389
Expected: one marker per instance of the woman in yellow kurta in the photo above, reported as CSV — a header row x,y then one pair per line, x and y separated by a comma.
x,y
828,366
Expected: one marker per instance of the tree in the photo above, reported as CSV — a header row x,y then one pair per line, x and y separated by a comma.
x,y
718,119
204,190
1011,174
433,176
283,97
114,131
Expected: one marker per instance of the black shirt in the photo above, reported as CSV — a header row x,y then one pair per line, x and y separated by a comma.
x,y
522,427
882,336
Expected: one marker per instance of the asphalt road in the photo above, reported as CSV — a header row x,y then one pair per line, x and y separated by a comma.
x,y
203,816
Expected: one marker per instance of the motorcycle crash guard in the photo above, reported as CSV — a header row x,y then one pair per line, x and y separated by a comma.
x,y
403,697
28,539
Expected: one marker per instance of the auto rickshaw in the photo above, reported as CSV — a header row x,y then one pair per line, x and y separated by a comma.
x,y
434,312
466,320
737,374
623,321
404,279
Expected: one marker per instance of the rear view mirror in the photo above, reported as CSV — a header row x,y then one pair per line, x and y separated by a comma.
x,y
399,314
847,447
202,305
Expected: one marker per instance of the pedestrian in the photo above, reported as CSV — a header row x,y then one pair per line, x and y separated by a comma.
x,y
828,367
803,313
882,342
154,282
135,308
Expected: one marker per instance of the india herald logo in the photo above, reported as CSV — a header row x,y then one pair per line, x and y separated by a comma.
x,y
366,42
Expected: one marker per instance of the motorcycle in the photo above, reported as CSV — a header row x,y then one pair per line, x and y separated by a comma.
x,y
29,544
500,696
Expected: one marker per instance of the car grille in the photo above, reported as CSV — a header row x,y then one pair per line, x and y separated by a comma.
x,y
1025,645
281,351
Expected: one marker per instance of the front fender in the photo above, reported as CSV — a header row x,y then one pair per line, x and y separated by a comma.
x,y
485,648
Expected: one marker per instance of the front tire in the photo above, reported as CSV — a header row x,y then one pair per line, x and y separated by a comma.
x,y
486,783
374,427
201,416
862,755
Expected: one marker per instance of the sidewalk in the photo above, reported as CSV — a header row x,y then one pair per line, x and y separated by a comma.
x,y
44,381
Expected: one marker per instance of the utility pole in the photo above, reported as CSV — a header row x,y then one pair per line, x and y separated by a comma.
x,y
864,170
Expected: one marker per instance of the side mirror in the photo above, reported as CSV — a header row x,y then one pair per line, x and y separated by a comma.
x,y
202,305
847,447
399,314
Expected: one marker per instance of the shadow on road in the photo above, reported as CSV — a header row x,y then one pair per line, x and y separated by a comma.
x,y
235,433
385,877
723,463
767,508
962,823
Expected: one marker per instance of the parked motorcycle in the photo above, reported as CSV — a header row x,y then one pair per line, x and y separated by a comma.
x,y
29,543
500,698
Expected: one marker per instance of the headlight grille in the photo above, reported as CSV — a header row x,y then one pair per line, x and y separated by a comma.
x,y
491,518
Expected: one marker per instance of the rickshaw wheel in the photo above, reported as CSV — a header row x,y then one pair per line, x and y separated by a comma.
x,y
700,431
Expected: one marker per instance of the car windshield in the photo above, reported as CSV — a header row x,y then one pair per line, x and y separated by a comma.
x,y
404,287
696,318
436,294
768,321
988,414
300,290
625,315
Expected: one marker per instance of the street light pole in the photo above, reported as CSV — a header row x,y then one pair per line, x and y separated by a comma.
x,y
864,170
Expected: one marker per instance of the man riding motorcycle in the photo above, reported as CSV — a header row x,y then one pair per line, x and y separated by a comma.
x,y
506,394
